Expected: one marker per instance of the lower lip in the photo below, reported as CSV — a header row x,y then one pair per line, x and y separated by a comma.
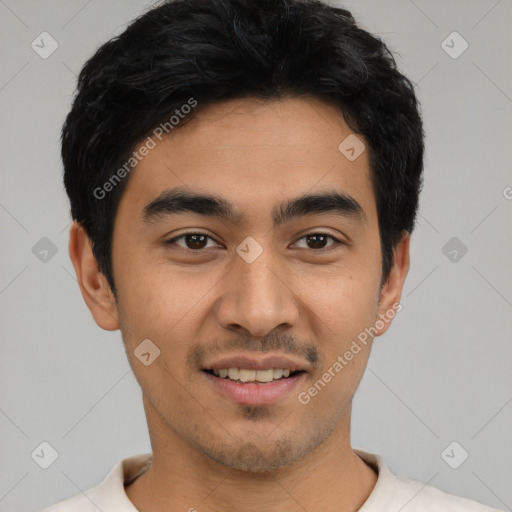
x,y
255,394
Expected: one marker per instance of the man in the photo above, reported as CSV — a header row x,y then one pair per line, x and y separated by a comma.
x,y
244,179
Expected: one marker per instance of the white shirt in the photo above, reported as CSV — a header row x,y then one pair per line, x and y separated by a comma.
x,y
391,493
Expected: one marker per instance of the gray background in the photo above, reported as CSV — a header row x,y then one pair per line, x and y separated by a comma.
x,y
441,374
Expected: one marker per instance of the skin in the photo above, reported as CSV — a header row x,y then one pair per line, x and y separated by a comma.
x,y
210,453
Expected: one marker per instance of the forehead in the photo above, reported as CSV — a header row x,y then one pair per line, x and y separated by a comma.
x,y
254,153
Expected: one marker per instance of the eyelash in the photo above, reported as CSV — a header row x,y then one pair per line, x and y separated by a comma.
x,y
173,240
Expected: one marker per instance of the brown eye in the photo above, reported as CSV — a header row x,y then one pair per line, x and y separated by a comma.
x,y
193,241
317,241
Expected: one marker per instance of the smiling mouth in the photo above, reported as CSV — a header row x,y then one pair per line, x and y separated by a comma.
x,y
246,376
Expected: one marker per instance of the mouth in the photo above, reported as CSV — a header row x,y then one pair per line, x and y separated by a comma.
x,y
249,381
243,375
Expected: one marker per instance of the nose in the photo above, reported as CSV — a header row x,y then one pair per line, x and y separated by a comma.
x,y
258,297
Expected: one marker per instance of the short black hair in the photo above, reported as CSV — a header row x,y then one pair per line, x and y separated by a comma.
x,y
207,51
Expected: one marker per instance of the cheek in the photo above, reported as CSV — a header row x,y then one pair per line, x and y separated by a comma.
x,y
345,299
159,302
344,306
346,315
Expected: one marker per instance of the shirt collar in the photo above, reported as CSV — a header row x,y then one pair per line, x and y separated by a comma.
x,y
110,495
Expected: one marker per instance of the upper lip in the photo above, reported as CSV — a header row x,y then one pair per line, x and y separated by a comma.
x,y
255,363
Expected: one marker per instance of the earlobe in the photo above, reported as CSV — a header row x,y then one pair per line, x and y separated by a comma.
x,y
391,292
93,285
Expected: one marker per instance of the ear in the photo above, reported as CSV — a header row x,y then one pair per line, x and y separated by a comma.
x,y
391,291
94,286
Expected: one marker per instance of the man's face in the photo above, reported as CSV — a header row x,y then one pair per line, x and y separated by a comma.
x,y
253,289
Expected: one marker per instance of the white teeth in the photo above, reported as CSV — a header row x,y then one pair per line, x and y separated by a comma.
x,y
244,375
233,373
265,375
278,373
247,375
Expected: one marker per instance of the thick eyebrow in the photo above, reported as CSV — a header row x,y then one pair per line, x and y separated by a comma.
x,y
179,199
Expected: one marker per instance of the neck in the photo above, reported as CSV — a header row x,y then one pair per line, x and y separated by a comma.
x,y
332,477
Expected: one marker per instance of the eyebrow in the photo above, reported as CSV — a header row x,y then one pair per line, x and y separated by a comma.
x,y
179,200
